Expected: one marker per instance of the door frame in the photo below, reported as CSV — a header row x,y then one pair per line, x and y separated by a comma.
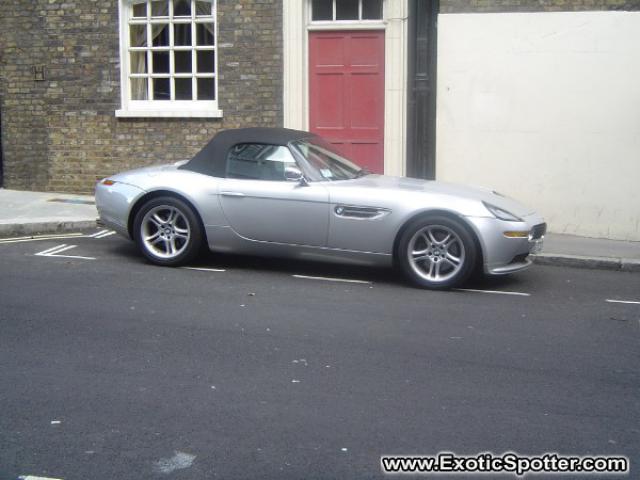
x,y
422,79
296,26
1,149
351,137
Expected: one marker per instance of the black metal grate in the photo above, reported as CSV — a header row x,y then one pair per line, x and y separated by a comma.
x,y
538,231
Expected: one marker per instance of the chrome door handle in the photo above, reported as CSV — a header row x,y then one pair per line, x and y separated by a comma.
x,y
232,194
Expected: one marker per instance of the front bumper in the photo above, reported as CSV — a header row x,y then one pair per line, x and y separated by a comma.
x,y
502,254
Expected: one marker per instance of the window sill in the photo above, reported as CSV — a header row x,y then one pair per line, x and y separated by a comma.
x,y
159,113
347,25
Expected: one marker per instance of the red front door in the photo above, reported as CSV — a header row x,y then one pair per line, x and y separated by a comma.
x,y
346,93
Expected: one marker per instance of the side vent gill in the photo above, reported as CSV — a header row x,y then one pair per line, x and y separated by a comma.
x,y
360,213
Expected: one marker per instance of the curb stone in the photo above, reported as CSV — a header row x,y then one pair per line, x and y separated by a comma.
x,y
630,265
594,263
16,229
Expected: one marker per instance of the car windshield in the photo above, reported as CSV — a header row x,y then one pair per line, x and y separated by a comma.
x,y
325,163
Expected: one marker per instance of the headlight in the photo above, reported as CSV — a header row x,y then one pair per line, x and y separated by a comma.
x,y
502,214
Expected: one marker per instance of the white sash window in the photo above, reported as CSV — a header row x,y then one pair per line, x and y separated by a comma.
x,y
346,10
168,58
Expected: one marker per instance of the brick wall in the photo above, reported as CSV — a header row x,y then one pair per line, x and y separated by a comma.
x,y
23,111
61,134
487,6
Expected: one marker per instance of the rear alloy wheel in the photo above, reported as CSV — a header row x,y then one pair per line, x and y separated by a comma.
x,y
437,252
167,231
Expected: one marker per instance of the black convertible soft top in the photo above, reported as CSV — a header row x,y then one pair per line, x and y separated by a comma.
x,y
211,160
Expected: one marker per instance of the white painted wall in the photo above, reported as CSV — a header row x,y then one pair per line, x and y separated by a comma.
x,y
545,107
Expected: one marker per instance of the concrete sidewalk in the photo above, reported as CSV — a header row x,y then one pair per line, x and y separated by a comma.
x,y
31,213
574,251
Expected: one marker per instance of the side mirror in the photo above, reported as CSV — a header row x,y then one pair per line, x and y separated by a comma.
x,y
293,174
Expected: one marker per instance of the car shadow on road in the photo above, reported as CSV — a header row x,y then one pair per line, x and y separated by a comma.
x,y
297,267
380,275
126,249
511,282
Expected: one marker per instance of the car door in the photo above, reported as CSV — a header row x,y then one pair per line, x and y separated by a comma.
x,y
361,217
260,203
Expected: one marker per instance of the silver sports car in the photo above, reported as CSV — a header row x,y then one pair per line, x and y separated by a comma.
x,y
288,193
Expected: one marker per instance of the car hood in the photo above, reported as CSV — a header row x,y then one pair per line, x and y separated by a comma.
x,y
380,183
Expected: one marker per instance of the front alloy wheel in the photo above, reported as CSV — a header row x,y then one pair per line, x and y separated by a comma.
x,y
437,253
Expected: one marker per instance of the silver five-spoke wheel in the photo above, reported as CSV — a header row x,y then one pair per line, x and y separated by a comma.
x,y
165,231
436,253
168,231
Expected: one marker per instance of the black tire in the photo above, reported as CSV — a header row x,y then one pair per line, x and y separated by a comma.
x,y
163,241
428,263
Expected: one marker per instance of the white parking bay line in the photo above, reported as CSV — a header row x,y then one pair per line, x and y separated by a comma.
x,y
55,252
496,292
331,279
202,269
52,249
36,238
631,302
32,477
105,234
97,234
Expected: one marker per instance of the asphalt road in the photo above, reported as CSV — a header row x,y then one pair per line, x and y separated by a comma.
x,y
111,368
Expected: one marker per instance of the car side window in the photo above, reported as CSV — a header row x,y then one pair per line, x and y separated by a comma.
x,y
255,161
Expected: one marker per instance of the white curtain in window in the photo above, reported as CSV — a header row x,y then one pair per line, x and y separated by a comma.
x,y
139,89
204,8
